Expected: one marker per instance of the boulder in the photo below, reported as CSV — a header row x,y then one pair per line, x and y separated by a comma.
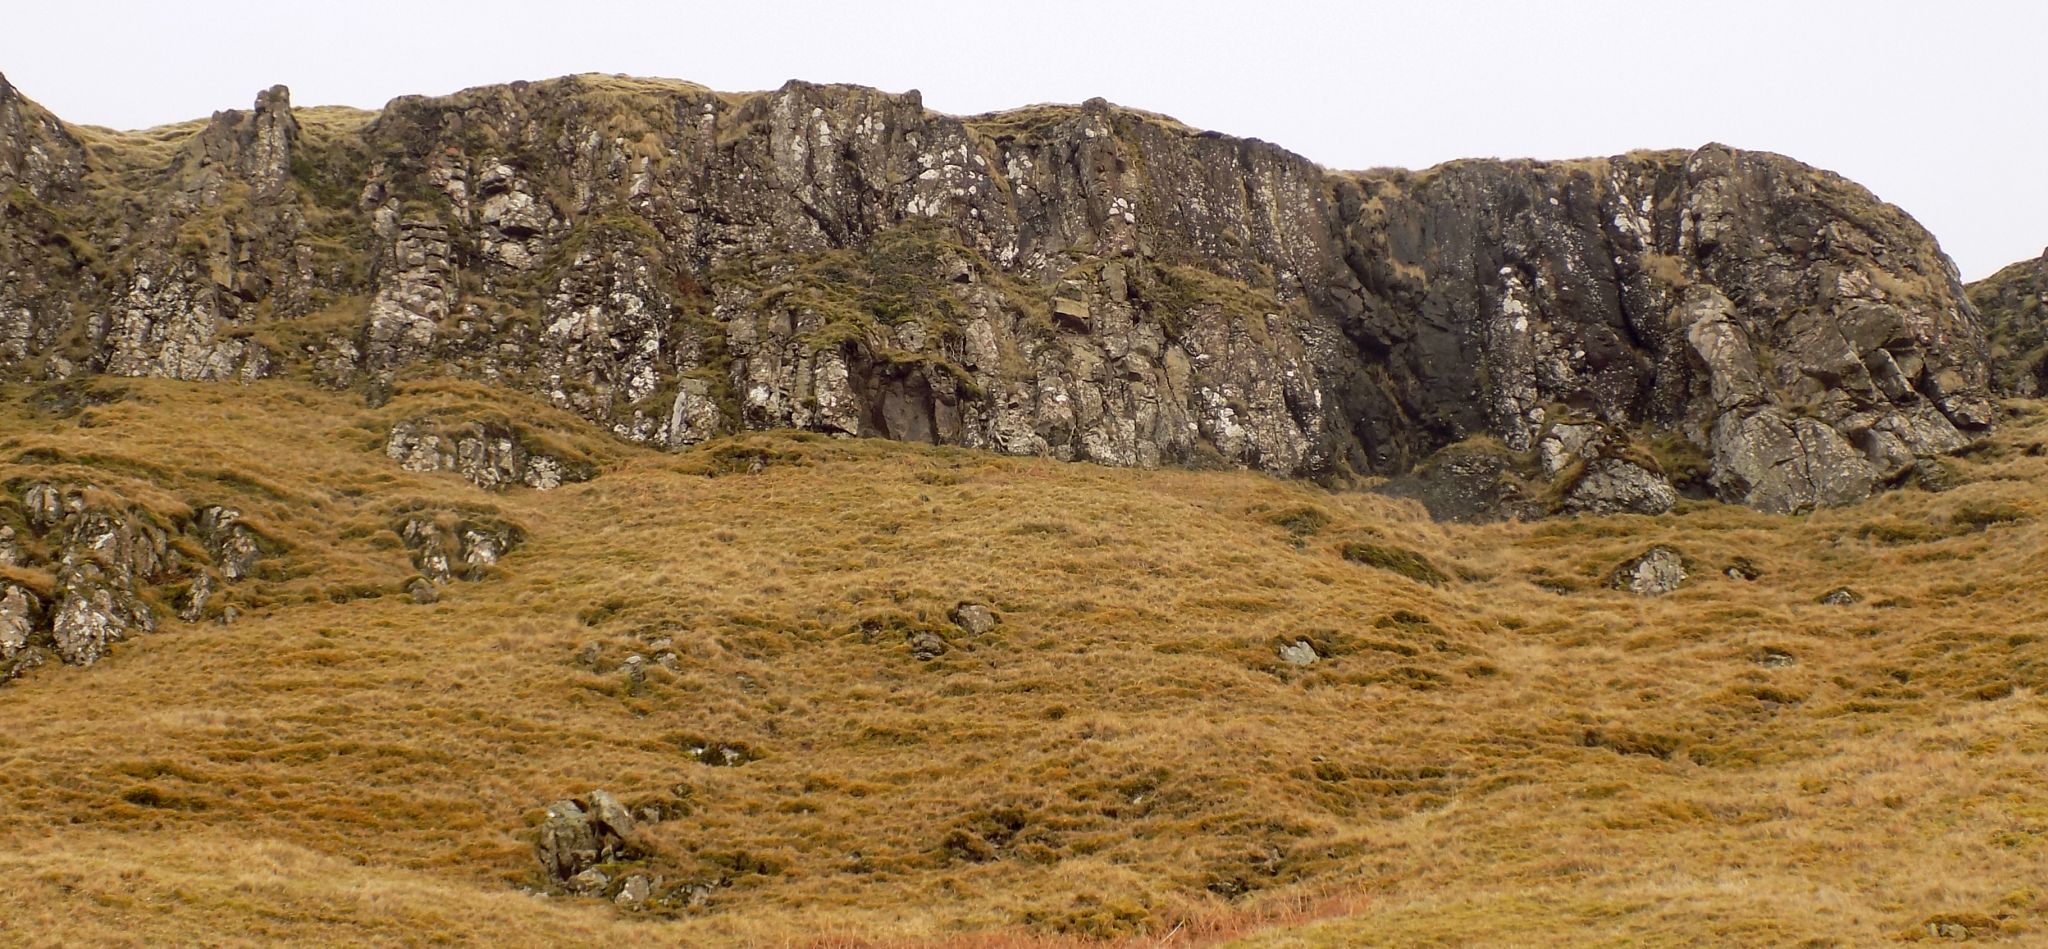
x,y
975,618
1619,486
235,548
578,835
568,844
1298,653
1654,572
634,891
422,592
925,644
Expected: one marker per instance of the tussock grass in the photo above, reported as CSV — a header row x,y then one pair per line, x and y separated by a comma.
x,y
1512,755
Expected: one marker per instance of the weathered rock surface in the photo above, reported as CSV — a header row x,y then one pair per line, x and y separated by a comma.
x,y
1298,653
1088,283
105,559
445,548
490,454
2014,305
1654,572
580,834
235,547
974,618
1616,486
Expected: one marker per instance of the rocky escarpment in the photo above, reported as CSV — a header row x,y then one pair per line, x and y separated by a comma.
x,y
2014,305
1089,283
82,569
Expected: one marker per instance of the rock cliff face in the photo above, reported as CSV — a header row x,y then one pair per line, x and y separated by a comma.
x,y
2014,304
1089,283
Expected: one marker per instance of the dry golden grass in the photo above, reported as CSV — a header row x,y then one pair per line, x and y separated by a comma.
x,y
1513,756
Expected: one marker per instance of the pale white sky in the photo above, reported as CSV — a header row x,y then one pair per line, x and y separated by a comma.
x,y
1939,106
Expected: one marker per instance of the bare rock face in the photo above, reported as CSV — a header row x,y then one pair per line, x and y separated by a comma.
x,y
1617,485
37,153
20,624
1087,283
2014,304
445,548
235,548
106,558
490,454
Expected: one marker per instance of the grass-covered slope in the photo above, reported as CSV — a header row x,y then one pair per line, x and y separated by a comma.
x,y
1498,749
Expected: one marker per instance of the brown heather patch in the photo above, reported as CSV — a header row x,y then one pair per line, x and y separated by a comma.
x,y
1484,761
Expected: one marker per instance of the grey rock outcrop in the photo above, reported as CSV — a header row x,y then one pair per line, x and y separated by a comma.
x,y
974,618
580,834
490,454
21,631
1654,572
1841,596
445,549
2014,305
926,644
106,559
1088,283
235,548
1617,485
1298,653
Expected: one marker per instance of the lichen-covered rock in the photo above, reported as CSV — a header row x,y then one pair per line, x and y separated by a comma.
x,y
2014,305
568,842
235,548
1086,283
1298,653
444,549
1619,486
192,607
1654,572
106,557
976,619
20,617
578,835
925,644
23,631
490,454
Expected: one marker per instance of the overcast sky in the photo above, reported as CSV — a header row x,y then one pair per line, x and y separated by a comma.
x,y
1939,106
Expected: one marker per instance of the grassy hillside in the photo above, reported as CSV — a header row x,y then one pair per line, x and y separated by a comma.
x,y
1511,754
